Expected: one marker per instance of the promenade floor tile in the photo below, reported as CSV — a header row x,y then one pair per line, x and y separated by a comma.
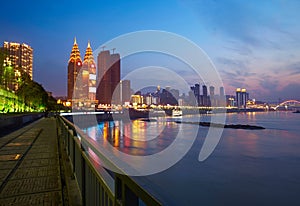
x,y
29,166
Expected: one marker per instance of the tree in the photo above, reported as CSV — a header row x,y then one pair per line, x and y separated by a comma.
x,y
8,77
32,93
2,57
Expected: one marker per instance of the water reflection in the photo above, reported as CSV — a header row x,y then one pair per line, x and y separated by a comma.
x,y
136,137
248,167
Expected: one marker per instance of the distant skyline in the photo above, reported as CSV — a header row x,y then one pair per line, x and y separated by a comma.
x,y
254,45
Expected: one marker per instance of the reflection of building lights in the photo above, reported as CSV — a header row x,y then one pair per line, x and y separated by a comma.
x,y
135,130
105,129
116,136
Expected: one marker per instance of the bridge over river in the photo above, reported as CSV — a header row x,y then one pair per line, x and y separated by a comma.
x,y
287,105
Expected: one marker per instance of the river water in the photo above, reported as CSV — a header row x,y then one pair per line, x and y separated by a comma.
x,y
247,167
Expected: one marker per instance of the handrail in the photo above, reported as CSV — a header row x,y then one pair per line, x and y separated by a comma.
x,y
96,185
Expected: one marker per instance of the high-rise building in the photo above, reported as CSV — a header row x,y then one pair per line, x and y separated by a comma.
x,y
222,92
241,98
204,89
212,91
222,98
192,101
89,74
125,91
21,59
205,99
115,78
230,99
103,78
108,90
212,99
74,67
136,99
196,90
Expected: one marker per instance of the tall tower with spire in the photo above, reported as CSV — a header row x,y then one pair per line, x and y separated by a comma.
x,y
74,66
89,74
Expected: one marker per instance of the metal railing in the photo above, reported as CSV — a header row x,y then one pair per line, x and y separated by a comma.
x,y
97,185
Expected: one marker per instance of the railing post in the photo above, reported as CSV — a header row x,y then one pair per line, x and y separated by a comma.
x,y
118,191
130,197
83,165
94,188
123,194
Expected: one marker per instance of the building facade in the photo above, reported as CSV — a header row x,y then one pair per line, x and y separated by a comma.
x,y
108,77
241,98
89,84
125,91
20,57
82,78
89,74
222,92
222,97
74,67
212,99
196,91
205,98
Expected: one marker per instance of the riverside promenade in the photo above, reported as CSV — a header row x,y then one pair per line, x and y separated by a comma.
x,y
31,169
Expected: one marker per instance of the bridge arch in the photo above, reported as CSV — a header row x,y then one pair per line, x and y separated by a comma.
x,y
287,101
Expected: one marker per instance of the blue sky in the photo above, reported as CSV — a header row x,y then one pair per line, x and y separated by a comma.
x,y
253,44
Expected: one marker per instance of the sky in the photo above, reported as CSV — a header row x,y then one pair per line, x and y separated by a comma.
x,y
253,44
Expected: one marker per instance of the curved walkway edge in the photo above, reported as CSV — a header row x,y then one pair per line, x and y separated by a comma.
x,y
33,168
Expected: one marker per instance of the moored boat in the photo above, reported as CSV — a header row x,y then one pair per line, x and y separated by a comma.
x,y
176,112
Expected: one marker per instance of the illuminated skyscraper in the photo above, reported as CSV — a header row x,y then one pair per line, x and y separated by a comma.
x,y
125,89
241,98
74,67
109,78
21,58
89,74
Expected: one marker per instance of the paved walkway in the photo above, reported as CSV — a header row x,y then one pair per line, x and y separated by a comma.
x,y
30,172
